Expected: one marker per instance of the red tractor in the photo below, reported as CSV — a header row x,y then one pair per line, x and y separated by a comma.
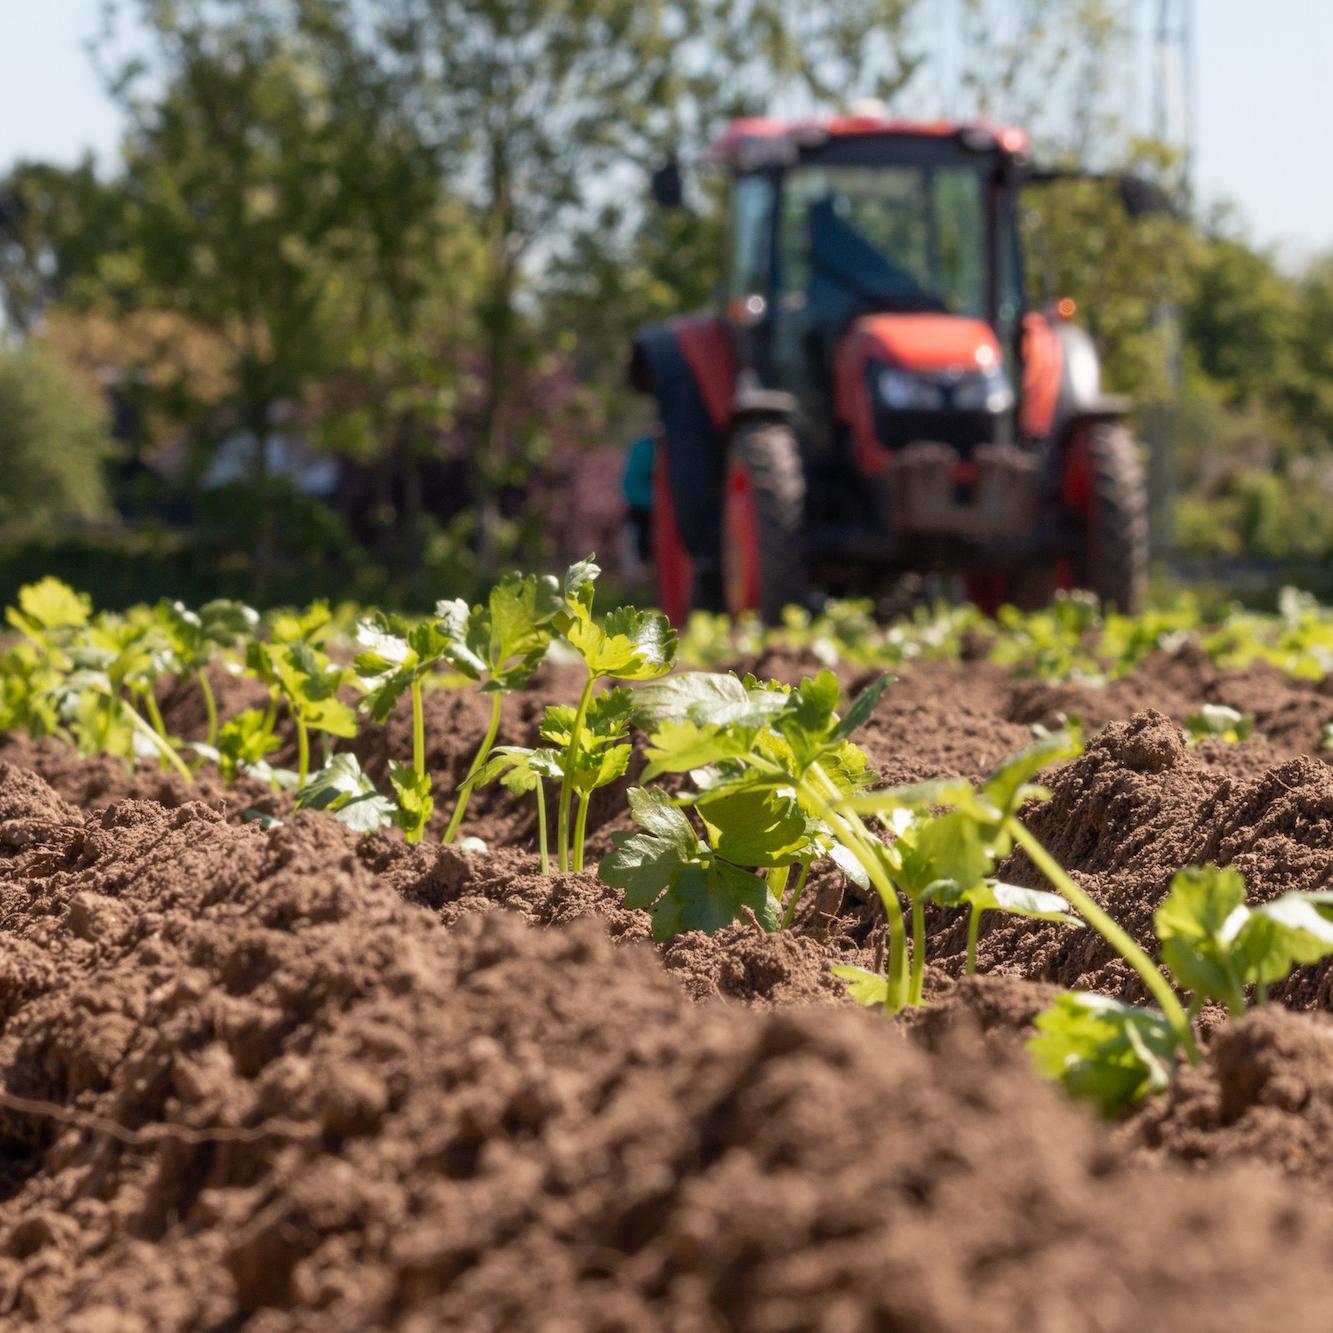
x,y
874,396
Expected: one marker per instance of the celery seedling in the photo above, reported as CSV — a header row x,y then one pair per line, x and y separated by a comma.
x,y
500,644
1215,945
1219,722
754,739
601,756
197,637
522,771
396,657
341,789
685,882
297,671
627,645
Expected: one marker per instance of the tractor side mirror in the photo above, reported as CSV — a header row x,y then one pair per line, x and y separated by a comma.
x,y
668,185
1142,197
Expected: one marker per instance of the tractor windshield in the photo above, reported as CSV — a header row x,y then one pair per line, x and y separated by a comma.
x,y
900,237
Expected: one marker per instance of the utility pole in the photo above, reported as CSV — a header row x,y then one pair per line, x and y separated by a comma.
x,y
1172,123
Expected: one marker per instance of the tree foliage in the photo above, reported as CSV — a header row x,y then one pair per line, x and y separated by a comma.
x,y
53,438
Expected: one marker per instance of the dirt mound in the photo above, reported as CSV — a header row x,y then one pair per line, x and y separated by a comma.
x,y
1264,1094
326,1109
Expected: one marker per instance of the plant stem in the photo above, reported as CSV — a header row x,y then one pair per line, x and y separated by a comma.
x,y
483,750
918,951
302,751
790,913
154,713
541,827
973,925
1260,992
580,828
776,879
1111,932
571,758
210,704
852,833
418,729
163,747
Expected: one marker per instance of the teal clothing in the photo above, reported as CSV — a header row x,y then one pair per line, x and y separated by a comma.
x,y
637,483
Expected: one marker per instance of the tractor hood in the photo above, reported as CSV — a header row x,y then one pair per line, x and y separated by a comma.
x,y
902,377
941,344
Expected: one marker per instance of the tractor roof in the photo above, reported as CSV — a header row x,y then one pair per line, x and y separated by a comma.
x,y
742,137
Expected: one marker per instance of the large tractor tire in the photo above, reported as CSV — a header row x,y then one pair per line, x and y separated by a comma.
x,y
1115,555
763,513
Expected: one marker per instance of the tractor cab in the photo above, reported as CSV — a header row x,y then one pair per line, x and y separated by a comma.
x,y
873,396
904,232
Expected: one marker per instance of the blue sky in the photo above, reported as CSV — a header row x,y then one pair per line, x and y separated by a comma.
x,y
1265,100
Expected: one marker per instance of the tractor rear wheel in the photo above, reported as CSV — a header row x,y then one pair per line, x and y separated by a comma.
x,y
763,512
1115,555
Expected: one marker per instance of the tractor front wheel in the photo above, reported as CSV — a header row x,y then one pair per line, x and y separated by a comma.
x,y
1105,481
763,512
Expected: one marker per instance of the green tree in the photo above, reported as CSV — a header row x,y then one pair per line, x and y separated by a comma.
x,y
54,440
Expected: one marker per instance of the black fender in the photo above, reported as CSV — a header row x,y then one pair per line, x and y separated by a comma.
x,y
694,440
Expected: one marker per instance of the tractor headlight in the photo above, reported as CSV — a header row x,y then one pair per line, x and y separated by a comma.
x,y
984,391
907,392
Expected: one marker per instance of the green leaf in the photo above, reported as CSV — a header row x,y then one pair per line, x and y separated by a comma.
x,y
578,585
755,828
521,614
1288,932
415,802
1008,786
690,696
343,790
678,747
868,989
863,706
243,741
993,896
1198,924
846,861
628,645
807,721
657,815
709,897
1106,1052
953,847
50,604
1221,722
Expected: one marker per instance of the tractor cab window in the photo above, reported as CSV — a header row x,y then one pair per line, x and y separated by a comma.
x,y
751,229
904,238
858,239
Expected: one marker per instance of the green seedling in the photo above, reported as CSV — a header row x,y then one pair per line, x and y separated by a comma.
x,y
244,744
197,638
298,673
397,657
1219,722
499,644
767,744
49,616
627,645
1216,946
523,771
341,789
600,756
990,895
691,883
1106,1052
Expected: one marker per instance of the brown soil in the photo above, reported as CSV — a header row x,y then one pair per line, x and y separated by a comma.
x,y
282,1079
